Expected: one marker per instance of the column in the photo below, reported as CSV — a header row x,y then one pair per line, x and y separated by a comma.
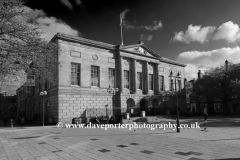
x,y
156,78
134,76
145,77
119,71
121,75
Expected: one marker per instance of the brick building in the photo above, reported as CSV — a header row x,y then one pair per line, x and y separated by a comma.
x,y
215,106
87,69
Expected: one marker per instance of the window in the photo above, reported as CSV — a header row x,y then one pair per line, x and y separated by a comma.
x,y
139,80
217,99
46,82
95,76
126,79
202,98
171,86
111,77
75,74
193,107
218,107
161,83
178,85
150,81
49,84
39,84
33,90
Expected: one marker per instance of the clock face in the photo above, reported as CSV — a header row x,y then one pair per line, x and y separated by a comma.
x,y
140,50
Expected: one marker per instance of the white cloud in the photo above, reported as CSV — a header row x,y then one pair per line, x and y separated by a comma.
x,y
51,25
202,60
144,37
194,34
127,25
67,4
228,31
156,25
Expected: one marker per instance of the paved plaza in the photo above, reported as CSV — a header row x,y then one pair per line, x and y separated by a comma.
x,y
221,140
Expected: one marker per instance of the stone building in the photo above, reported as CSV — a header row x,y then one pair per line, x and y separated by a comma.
x,y
87,69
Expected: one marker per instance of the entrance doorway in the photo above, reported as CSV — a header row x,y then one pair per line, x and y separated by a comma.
x,y
130,105
143,105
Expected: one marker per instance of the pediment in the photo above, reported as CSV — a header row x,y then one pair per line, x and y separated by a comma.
x,y
141,50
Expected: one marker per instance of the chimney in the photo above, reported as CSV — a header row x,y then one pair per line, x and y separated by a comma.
x,y
226,65
199,74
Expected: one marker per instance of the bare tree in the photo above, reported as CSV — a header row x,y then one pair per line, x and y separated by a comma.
x,y
22,50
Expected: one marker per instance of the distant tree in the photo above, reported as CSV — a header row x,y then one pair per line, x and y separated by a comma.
x,y
22,50
221,82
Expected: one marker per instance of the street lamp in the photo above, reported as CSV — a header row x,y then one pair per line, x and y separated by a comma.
x,y
111,90
44,93
176,78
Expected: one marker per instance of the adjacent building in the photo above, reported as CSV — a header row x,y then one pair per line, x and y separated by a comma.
x,y
8,105
88,68
196,103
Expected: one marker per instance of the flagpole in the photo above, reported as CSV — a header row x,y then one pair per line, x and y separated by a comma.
x,y
121,30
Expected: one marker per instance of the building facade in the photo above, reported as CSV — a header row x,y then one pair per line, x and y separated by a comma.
x,y
87,69
8,106
215,106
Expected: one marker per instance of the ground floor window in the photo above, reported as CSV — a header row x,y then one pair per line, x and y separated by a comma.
x,y
218,107
193,107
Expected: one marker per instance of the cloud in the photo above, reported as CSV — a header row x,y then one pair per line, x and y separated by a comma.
x,y
127,25
228,31
156,25
78,2
67,4
51,25
143,37
194,34
202,60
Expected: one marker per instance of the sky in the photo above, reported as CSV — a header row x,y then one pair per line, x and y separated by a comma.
x,y
199,33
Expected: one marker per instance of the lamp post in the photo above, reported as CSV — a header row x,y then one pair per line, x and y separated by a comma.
x,y
111,90
44,93
176,78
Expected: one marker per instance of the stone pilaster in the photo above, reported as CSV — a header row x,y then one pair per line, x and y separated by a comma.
x,y
145,77
156,79
134,71
121,74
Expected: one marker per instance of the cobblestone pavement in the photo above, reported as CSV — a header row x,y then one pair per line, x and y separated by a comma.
x,y
219,141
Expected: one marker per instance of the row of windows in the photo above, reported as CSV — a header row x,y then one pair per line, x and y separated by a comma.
x,y
175,85
95,78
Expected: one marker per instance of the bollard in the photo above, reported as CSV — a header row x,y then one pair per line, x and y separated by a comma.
x,y
11,123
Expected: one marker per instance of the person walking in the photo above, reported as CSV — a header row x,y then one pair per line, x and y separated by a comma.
x,y
205,114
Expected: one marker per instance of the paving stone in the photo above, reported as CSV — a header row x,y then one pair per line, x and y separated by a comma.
x,y
104,150
147,152
122,146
